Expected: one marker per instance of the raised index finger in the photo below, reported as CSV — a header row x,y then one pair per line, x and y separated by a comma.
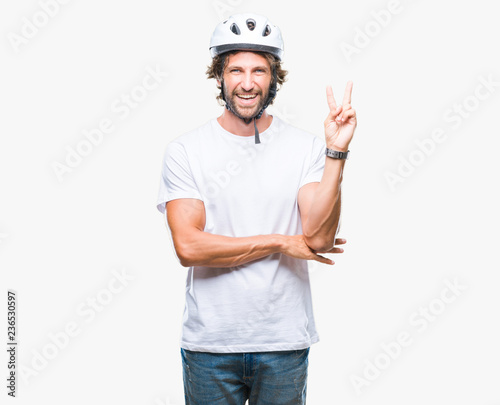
x,y
347,93
330,99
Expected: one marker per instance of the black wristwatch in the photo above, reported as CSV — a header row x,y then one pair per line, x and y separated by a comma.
x,y
335,154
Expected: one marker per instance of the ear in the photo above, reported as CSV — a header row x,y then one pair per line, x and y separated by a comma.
x,y
218,83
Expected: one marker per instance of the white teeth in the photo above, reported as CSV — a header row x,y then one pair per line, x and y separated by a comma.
x,y
247,96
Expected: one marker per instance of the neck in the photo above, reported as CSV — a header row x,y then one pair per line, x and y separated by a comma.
x,y
237,126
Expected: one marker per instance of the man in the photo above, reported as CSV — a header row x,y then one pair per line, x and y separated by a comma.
x,y
248,200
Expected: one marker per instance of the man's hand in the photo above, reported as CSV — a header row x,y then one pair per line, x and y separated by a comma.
x,y
295,246
338,241
341,121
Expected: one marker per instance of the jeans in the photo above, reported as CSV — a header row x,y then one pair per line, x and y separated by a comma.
x,y
264,378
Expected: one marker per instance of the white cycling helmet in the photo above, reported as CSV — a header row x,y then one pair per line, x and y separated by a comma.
x,y
248,31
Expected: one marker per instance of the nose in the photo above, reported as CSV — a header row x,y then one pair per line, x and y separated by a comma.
x,y
247,82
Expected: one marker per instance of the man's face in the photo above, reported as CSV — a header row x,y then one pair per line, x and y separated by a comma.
x,y
247,78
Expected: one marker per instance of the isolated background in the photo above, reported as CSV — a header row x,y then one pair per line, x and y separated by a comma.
x,y
60,241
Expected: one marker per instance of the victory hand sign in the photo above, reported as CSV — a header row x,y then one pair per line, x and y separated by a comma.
x,y
340,122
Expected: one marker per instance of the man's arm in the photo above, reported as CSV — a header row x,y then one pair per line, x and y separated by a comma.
x,y
194,247
319,203
320,206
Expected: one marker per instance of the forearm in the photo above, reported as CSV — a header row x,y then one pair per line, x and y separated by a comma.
x,y
209,250
324,214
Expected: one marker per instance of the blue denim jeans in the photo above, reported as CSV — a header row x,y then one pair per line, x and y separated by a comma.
x,y
264,378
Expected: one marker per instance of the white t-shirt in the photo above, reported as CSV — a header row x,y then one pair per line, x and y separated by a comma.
x,y
248,189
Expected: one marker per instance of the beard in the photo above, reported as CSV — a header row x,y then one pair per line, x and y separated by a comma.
x,y
247,114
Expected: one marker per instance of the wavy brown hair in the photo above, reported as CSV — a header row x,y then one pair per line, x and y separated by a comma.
x,y
219,63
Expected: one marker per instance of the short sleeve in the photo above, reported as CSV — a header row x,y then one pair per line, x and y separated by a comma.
x,y
316,163
176,180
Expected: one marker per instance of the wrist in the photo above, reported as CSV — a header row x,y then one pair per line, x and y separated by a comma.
x,y
337,147
278,242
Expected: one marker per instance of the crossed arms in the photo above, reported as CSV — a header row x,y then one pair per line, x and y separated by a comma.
x,y
319,206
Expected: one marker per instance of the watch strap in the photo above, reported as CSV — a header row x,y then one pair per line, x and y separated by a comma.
x,y
335,154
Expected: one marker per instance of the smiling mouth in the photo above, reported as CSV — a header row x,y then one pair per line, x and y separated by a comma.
x,y
246,96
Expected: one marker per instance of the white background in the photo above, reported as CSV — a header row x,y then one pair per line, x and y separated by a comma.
x,y
60,241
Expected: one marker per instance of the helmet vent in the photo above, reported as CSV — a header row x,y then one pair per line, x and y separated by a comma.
x,y
235,29
267,31
251,24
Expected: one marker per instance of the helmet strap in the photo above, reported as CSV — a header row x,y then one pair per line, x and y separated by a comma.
x,y
257,137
